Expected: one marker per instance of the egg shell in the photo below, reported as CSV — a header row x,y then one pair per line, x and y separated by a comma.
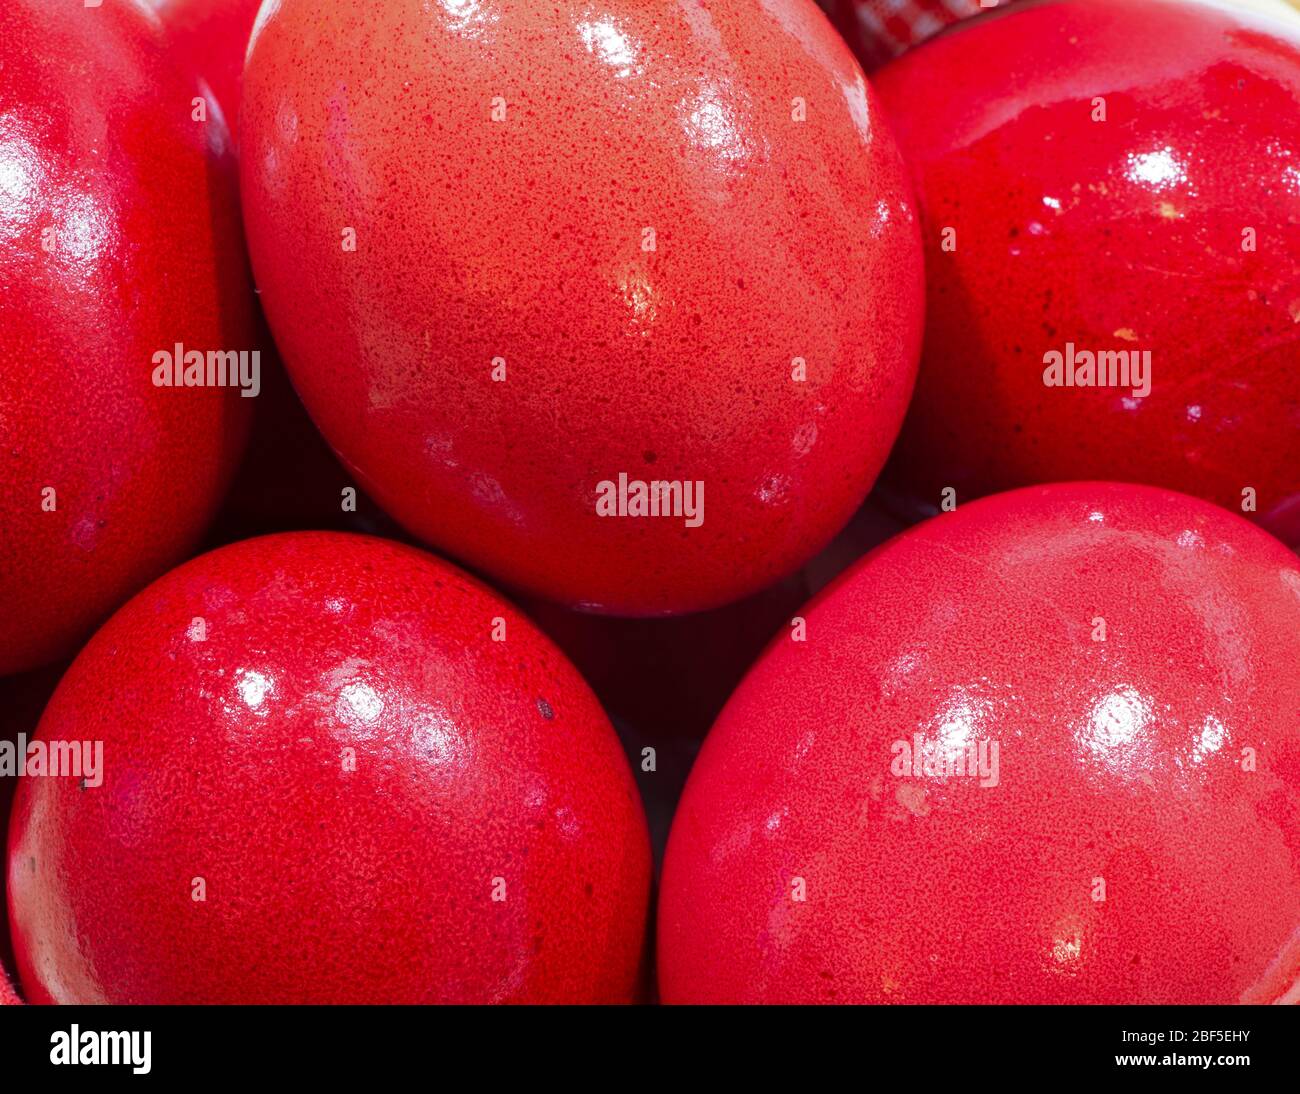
x,y
119,239
679,238
376,802
1117,176
1114,672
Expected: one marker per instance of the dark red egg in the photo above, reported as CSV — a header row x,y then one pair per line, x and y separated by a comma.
x,y
664,681
325,780
1110,197
671,676
119,240
515,252
1044,749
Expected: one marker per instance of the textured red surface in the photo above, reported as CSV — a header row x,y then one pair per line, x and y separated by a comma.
x,y
225,760
1123,234
1119,759
97,144
522,240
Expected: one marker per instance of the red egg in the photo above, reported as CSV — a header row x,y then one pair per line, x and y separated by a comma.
x,y
119,240
1107,177
324,781
513,252
1044,749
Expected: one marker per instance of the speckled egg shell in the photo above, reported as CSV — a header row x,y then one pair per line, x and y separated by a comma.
x,y
618,206
1172,226
1134,654
119,237
379,802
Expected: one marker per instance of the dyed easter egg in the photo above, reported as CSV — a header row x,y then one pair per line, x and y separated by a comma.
x,y
119,241
1111,211
1043,749
619,303
335,770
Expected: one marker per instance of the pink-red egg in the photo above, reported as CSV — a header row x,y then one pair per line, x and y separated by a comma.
x,y
1111,213
119,240
335,770
1044,749
525,261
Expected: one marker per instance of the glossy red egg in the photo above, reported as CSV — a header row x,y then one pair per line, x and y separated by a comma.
x,y
1044,749
1107,177
119,239
377,801
512,252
